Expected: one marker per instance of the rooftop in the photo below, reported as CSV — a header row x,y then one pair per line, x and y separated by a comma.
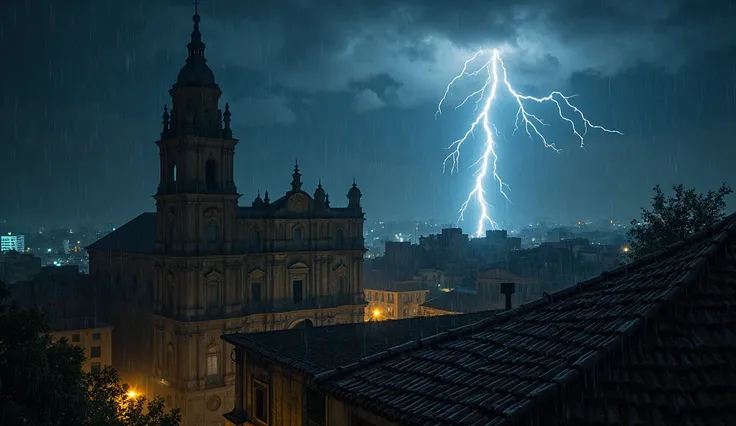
x,y
136,236
462,302
652,342
314,350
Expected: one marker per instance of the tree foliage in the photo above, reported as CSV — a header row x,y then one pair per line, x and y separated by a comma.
x,y
42,382
674,218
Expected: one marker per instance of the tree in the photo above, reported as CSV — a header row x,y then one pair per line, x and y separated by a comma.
x,y
674,218
113,403
42,382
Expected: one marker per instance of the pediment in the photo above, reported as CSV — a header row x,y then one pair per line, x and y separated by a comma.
x,y
212,212
213,276
340,270
256,273
299,266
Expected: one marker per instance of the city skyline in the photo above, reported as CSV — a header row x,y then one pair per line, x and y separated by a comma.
x,y
81,120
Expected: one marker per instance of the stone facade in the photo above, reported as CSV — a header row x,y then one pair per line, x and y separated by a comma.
x,y
202,266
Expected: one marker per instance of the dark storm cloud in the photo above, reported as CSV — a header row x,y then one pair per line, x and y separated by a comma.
x,y
328,45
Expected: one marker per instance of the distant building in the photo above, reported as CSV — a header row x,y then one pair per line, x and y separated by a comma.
x,y
394,299
94,337
17,266
12,242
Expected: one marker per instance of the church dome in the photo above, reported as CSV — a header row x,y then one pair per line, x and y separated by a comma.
x,y
196,73
354,191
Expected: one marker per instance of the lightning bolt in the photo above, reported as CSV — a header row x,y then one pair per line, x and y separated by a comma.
x,y
494,70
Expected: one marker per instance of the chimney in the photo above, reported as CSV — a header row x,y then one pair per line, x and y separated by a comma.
x,y
507,289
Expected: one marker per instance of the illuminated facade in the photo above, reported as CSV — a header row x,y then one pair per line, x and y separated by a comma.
x,y
12,242
400,300
202,266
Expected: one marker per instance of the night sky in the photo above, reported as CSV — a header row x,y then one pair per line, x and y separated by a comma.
x,y
351,89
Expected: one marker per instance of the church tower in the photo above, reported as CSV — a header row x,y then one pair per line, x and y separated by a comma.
x,y
196,201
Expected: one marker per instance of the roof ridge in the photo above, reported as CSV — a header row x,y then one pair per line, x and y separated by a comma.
x,y
724,226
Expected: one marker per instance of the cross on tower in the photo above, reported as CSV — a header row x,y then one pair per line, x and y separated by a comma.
x,y
196,6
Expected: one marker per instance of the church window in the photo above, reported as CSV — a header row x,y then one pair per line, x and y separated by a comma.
x,y
339,238
298,235
172,230
174,173
340,285
213,360
255,292
297,290
170,295
212,232
210,173
255,240
213,295
170,368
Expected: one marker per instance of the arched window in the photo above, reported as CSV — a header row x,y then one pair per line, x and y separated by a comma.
x,y
210,175
174,173
213,232
339,238
213,360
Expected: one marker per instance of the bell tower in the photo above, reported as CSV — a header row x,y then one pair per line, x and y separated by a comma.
x,y
196,201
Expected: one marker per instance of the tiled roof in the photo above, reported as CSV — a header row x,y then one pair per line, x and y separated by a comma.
x,y
136,236
651,343
461,302
317,349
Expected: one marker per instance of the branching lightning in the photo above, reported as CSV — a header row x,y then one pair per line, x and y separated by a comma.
x,y
487,163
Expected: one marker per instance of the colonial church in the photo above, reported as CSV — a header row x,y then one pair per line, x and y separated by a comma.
x,y
173,281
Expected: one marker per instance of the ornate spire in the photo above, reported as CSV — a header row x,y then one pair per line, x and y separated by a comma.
x,y
166,121
296,181
319,195
196,47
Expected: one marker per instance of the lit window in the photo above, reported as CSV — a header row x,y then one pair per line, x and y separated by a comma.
x,y
213,361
